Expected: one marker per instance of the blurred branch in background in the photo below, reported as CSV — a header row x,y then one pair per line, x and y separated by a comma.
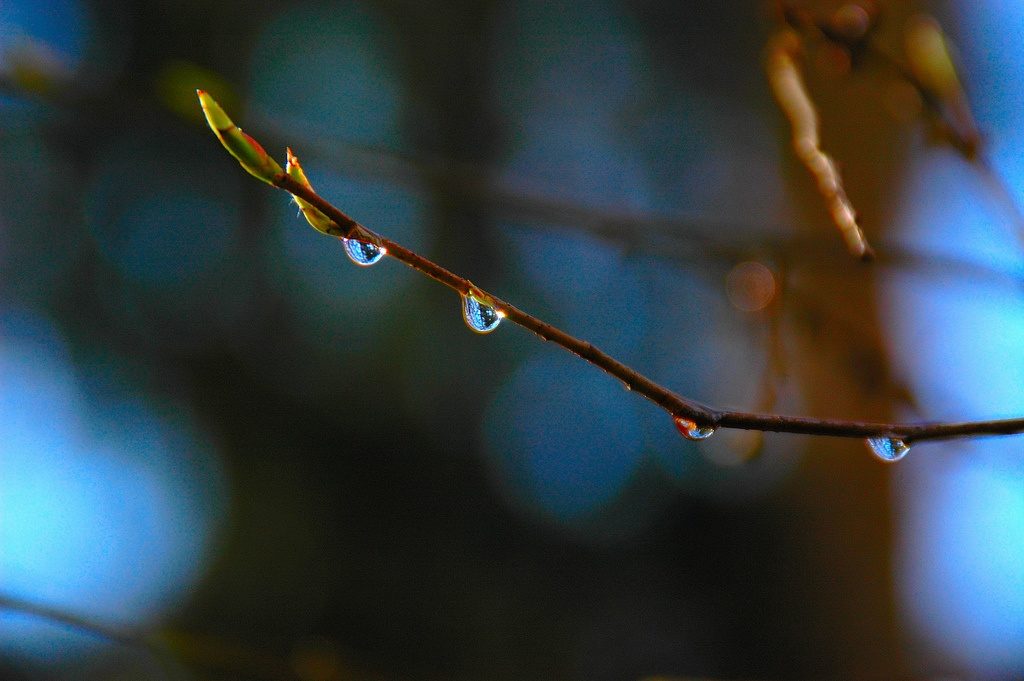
x,y
788,86
163,649
928,66
30,67
109,634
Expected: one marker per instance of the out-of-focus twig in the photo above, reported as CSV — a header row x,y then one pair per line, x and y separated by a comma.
x,y
32,68
100,631
787,84
929,66
932,69
160,648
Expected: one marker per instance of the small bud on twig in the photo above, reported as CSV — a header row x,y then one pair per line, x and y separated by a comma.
x,y
248,151
314,217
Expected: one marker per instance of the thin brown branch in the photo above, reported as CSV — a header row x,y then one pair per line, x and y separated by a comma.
x,y
676,405
787,84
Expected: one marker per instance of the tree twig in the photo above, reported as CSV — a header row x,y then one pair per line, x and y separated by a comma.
x,y
254,160
673,403
787,84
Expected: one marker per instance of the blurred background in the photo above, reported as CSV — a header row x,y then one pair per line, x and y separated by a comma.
x,y
231,454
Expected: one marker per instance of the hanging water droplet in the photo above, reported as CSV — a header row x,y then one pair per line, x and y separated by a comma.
x,y
479,316
888,448
363,253
691,430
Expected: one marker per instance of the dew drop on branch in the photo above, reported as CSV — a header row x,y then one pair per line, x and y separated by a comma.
x,y
691,430
888,448
479,316
363,253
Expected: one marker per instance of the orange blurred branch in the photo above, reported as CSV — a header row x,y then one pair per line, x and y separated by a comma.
x,y
787,84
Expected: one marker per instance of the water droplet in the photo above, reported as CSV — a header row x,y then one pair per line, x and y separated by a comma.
x,y
479,316
363,253
691,430
888,448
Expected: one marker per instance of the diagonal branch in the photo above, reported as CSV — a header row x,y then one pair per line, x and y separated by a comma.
x,y
345,227
700,417
673,403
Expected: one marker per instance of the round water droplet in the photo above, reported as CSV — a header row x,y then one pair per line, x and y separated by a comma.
x,y
362,253
480,317
888,448
691,430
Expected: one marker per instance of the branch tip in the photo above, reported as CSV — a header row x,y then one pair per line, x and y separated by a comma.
x,y
247,151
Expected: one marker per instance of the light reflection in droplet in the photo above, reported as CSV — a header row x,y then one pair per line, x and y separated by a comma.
x,y
692,430
363,253
888,449
720,362
479,316
332,298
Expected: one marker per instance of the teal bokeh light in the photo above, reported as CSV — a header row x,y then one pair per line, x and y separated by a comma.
x,y
327,70
64,26
159,217
565,78
108,510
958,331
962,565
561,439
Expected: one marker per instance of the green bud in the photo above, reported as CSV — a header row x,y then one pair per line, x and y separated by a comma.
x,y
250,154
314,217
